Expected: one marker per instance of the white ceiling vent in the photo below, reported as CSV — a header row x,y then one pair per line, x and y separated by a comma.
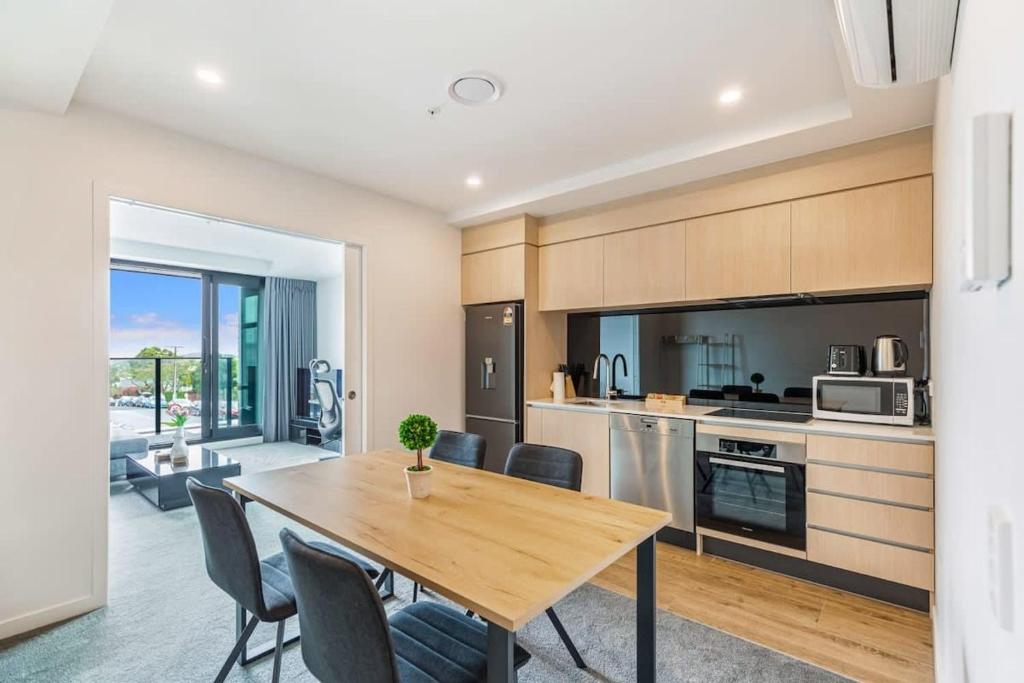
x,y
898,42
475,88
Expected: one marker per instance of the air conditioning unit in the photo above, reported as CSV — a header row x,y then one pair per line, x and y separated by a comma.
x,y
898,42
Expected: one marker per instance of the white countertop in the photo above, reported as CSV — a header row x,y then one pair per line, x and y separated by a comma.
x,y
700,414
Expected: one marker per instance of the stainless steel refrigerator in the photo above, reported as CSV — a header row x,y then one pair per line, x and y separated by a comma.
x,y
494,378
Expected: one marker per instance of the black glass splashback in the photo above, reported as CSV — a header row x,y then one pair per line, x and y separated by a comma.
x,y
770,353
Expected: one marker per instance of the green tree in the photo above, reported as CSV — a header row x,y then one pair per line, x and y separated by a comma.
x,y
154,352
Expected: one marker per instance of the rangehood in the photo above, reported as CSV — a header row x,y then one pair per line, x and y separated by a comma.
x,y
771,300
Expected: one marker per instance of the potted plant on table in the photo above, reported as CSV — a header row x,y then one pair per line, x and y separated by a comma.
x,y
179,449
417,432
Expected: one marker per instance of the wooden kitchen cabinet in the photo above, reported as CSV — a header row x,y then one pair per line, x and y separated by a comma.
x,y
870,507
583,432
645,266
494,275
738,254
871,237
572,275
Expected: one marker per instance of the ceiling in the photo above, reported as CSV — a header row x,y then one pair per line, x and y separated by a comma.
x,y
139,232
619,99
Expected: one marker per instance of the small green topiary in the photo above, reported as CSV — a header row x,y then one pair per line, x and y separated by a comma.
x,y
417,432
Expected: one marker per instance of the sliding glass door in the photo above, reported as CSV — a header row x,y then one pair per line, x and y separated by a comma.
x,y
231,334
186,337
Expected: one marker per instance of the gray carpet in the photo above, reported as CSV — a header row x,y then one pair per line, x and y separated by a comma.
x,y
165,621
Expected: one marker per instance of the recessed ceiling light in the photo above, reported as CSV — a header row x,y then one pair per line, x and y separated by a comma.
x,y
730,96
473,181
209,76
475,88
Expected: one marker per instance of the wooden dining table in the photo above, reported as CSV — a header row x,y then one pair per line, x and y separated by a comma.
x,y
503,547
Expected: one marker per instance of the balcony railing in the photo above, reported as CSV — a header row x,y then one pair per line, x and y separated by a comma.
x,y
141,390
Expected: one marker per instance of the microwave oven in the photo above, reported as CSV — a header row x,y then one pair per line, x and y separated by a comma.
x,y
881,400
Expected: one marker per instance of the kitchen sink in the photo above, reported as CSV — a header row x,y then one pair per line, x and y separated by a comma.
x,y
589,402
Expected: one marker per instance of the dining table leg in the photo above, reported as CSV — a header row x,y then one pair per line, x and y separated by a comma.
x,y
646,612
501,644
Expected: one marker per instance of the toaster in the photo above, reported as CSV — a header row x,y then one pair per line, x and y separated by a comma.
x,y
846,359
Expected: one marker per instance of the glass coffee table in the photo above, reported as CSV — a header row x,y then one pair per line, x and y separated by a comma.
x,y
164,484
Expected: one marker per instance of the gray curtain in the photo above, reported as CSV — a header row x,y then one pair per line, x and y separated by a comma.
x,y
288,343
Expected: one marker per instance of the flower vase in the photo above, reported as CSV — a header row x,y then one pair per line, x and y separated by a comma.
x,y
418,481
179,448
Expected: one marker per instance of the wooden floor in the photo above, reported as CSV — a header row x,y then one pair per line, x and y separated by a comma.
x,y
853,636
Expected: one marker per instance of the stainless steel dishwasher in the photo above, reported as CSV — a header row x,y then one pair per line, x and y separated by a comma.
x,y
652,464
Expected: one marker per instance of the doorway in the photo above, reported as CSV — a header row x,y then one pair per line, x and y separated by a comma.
x,y
207,349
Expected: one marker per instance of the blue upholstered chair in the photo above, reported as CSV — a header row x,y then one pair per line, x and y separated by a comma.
x,y
346,635
262,587
555,467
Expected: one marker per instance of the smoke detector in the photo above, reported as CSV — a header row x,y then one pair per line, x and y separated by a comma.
x,y
475,88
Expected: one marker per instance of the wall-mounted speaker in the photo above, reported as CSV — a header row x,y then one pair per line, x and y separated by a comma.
x,y
987,237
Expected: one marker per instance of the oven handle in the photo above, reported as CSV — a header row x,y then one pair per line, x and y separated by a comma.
x,y
747,465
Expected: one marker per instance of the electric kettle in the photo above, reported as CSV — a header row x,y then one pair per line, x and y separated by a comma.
x,y
889,356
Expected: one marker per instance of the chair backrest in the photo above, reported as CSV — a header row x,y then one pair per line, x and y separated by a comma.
x,y
737,389
546,464
345,632
460,448
232,561
330,412
797,392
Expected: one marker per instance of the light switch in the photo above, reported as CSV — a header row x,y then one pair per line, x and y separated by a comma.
x,y
1000,566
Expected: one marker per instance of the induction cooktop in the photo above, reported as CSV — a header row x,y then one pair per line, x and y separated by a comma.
x,y
772,415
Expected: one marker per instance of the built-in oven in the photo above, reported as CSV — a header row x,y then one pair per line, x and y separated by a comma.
x,y
751,487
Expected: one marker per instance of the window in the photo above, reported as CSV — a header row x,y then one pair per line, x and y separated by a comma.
x,y
188,337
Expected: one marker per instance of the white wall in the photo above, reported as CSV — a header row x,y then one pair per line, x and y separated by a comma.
x,y
55,175
330,320
977,339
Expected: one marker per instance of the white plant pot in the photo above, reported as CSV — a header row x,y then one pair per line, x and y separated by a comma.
x,y
418,482
179,449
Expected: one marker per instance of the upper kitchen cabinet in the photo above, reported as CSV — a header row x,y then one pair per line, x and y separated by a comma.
x,y
868,238
645,266
739,253
572,275
494,275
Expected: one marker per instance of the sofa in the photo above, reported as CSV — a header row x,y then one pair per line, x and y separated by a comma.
x,y
124,442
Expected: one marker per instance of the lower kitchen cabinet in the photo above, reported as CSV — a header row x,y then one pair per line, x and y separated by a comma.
x,y
870,508
583,432
881,560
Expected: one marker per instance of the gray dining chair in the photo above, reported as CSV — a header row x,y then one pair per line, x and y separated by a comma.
x,y
346,635
555,467
262,587
457,448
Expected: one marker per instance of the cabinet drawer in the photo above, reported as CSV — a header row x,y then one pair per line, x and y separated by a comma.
x,y
885,455
889,562
884,522
880,486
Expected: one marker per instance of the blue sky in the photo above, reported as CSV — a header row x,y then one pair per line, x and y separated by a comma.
x,y
148,309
